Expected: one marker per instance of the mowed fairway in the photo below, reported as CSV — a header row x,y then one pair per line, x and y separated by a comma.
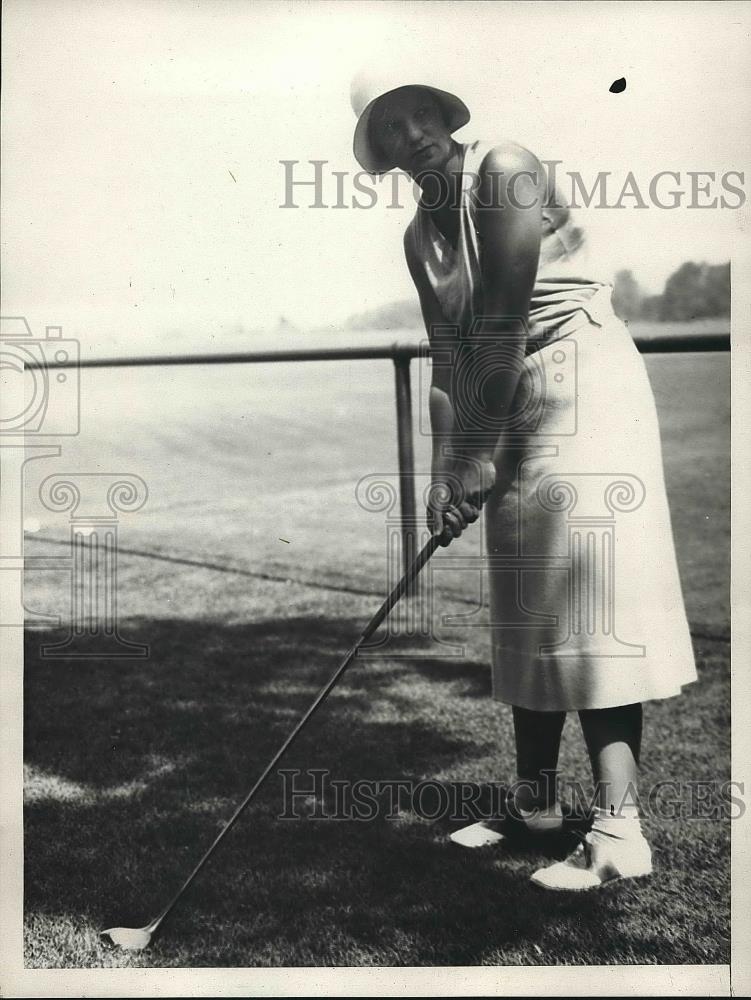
x,y
256,570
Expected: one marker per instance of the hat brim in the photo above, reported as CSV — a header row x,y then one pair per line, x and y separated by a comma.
x,y
456,113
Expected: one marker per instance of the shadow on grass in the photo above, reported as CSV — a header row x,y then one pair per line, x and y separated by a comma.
x,y
134,766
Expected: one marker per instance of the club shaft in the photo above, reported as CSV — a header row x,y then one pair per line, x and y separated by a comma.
x,y
378,618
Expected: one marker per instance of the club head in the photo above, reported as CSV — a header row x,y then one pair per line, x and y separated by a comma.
x,y
130,938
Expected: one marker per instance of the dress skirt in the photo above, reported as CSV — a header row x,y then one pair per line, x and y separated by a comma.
x,y
586,609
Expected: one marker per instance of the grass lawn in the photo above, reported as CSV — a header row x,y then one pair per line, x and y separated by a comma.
x,y
132,767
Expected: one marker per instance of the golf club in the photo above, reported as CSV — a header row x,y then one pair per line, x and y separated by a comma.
x,y
136,938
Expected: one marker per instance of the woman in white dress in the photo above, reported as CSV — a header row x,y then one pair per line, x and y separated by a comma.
x,y
542,412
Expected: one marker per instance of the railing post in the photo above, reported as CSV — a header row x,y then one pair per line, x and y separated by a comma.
x,y
406,456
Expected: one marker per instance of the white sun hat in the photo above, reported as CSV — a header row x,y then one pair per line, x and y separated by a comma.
x,y
368,86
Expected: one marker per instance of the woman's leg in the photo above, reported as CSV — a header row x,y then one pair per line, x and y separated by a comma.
x,y
538,741
534,798
615,847
613,738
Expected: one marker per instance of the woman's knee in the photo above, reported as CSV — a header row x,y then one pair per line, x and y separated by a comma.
x,y
616,715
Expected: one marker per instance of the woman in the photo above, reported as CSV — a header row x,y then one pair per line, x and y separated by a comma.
x,y
543,413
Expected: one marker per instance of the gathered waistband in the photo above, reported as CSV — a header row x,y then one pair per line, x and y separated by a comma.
x,y
596,311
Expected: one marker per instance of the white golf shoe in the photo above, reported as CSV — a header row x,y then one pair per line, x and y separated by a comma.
x,y
597,861
484,834
476,835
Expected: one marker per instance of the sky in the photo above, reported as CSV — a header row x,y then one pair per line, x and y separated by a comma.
x,y
142,142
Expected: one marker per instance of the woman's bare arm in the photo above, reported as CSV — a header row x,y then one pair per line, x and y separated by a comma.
x,y
511,195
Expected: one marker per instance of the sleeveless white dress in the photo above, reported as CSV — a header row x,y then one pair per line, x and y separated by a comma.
x,y
586,609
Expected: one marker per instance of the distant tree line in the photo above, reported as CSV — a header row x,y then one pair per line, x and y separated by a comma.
x,y
694,291
403,315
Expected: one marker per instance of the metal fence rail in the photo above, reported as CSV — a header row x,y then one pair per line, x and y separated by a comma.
x,y
400,355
